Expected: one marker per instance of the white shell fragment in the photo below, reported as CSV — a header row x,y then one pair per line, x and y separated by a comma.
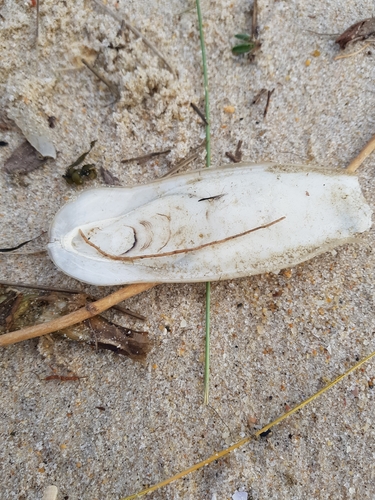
x,y
50,493
207,225
34,131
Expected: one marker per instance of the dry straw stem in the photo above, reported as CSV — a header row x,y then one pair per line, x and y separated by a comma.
x,y
345,56
358,160
136,32
185,161
75,317
247,439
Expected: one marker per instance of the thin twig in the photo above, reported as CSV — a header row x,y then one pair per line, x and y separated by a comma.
x,y
70,291
136,32
323,34
237,156
258,96
358,160
11,249
247,439
199,113
111,87
185,161
254,21
269,94
75,317
37,22
146,157
344,56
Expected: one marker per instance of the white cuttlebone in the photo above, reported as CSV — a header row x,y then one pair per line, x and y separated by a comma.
x,y
321,209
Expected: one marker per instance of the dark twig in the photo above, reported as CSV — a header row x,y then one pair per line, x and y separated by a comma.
x,y
258,96
254,23
112,89
269,94
199,113
144,158
237,156
185,161
133,29
37,21
21,244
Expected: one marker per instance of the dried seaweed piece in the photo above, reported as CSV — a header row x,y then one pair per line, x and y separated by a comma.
x,y
17,309
116,338
109,178
47,288
357,32
80,159
76,175
12,307
23,160
7,302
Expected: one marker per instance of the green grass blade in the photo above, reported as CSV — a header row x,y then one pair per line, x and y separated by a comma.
x,y
208,163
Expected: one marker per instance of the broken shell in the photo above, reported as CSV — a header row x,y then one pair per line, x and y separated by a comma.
x,y
34,131
207,225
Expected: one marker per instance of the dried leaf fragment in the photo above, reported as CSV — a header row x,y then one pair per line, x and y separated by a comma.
x,y
109,178
13,305
23,160
357,32
34,130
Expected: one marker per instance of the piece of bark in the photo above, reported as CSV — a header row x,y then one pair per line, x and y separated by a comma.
x,y
109,178
119,339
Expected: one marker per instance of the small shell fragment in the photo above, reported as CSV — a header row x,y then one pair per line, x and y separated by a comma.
x,y
50,493
34,131
207,225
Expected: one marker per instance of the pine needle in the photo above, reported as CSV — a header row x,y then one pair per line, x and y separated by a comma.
x,y
247,439
208,164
